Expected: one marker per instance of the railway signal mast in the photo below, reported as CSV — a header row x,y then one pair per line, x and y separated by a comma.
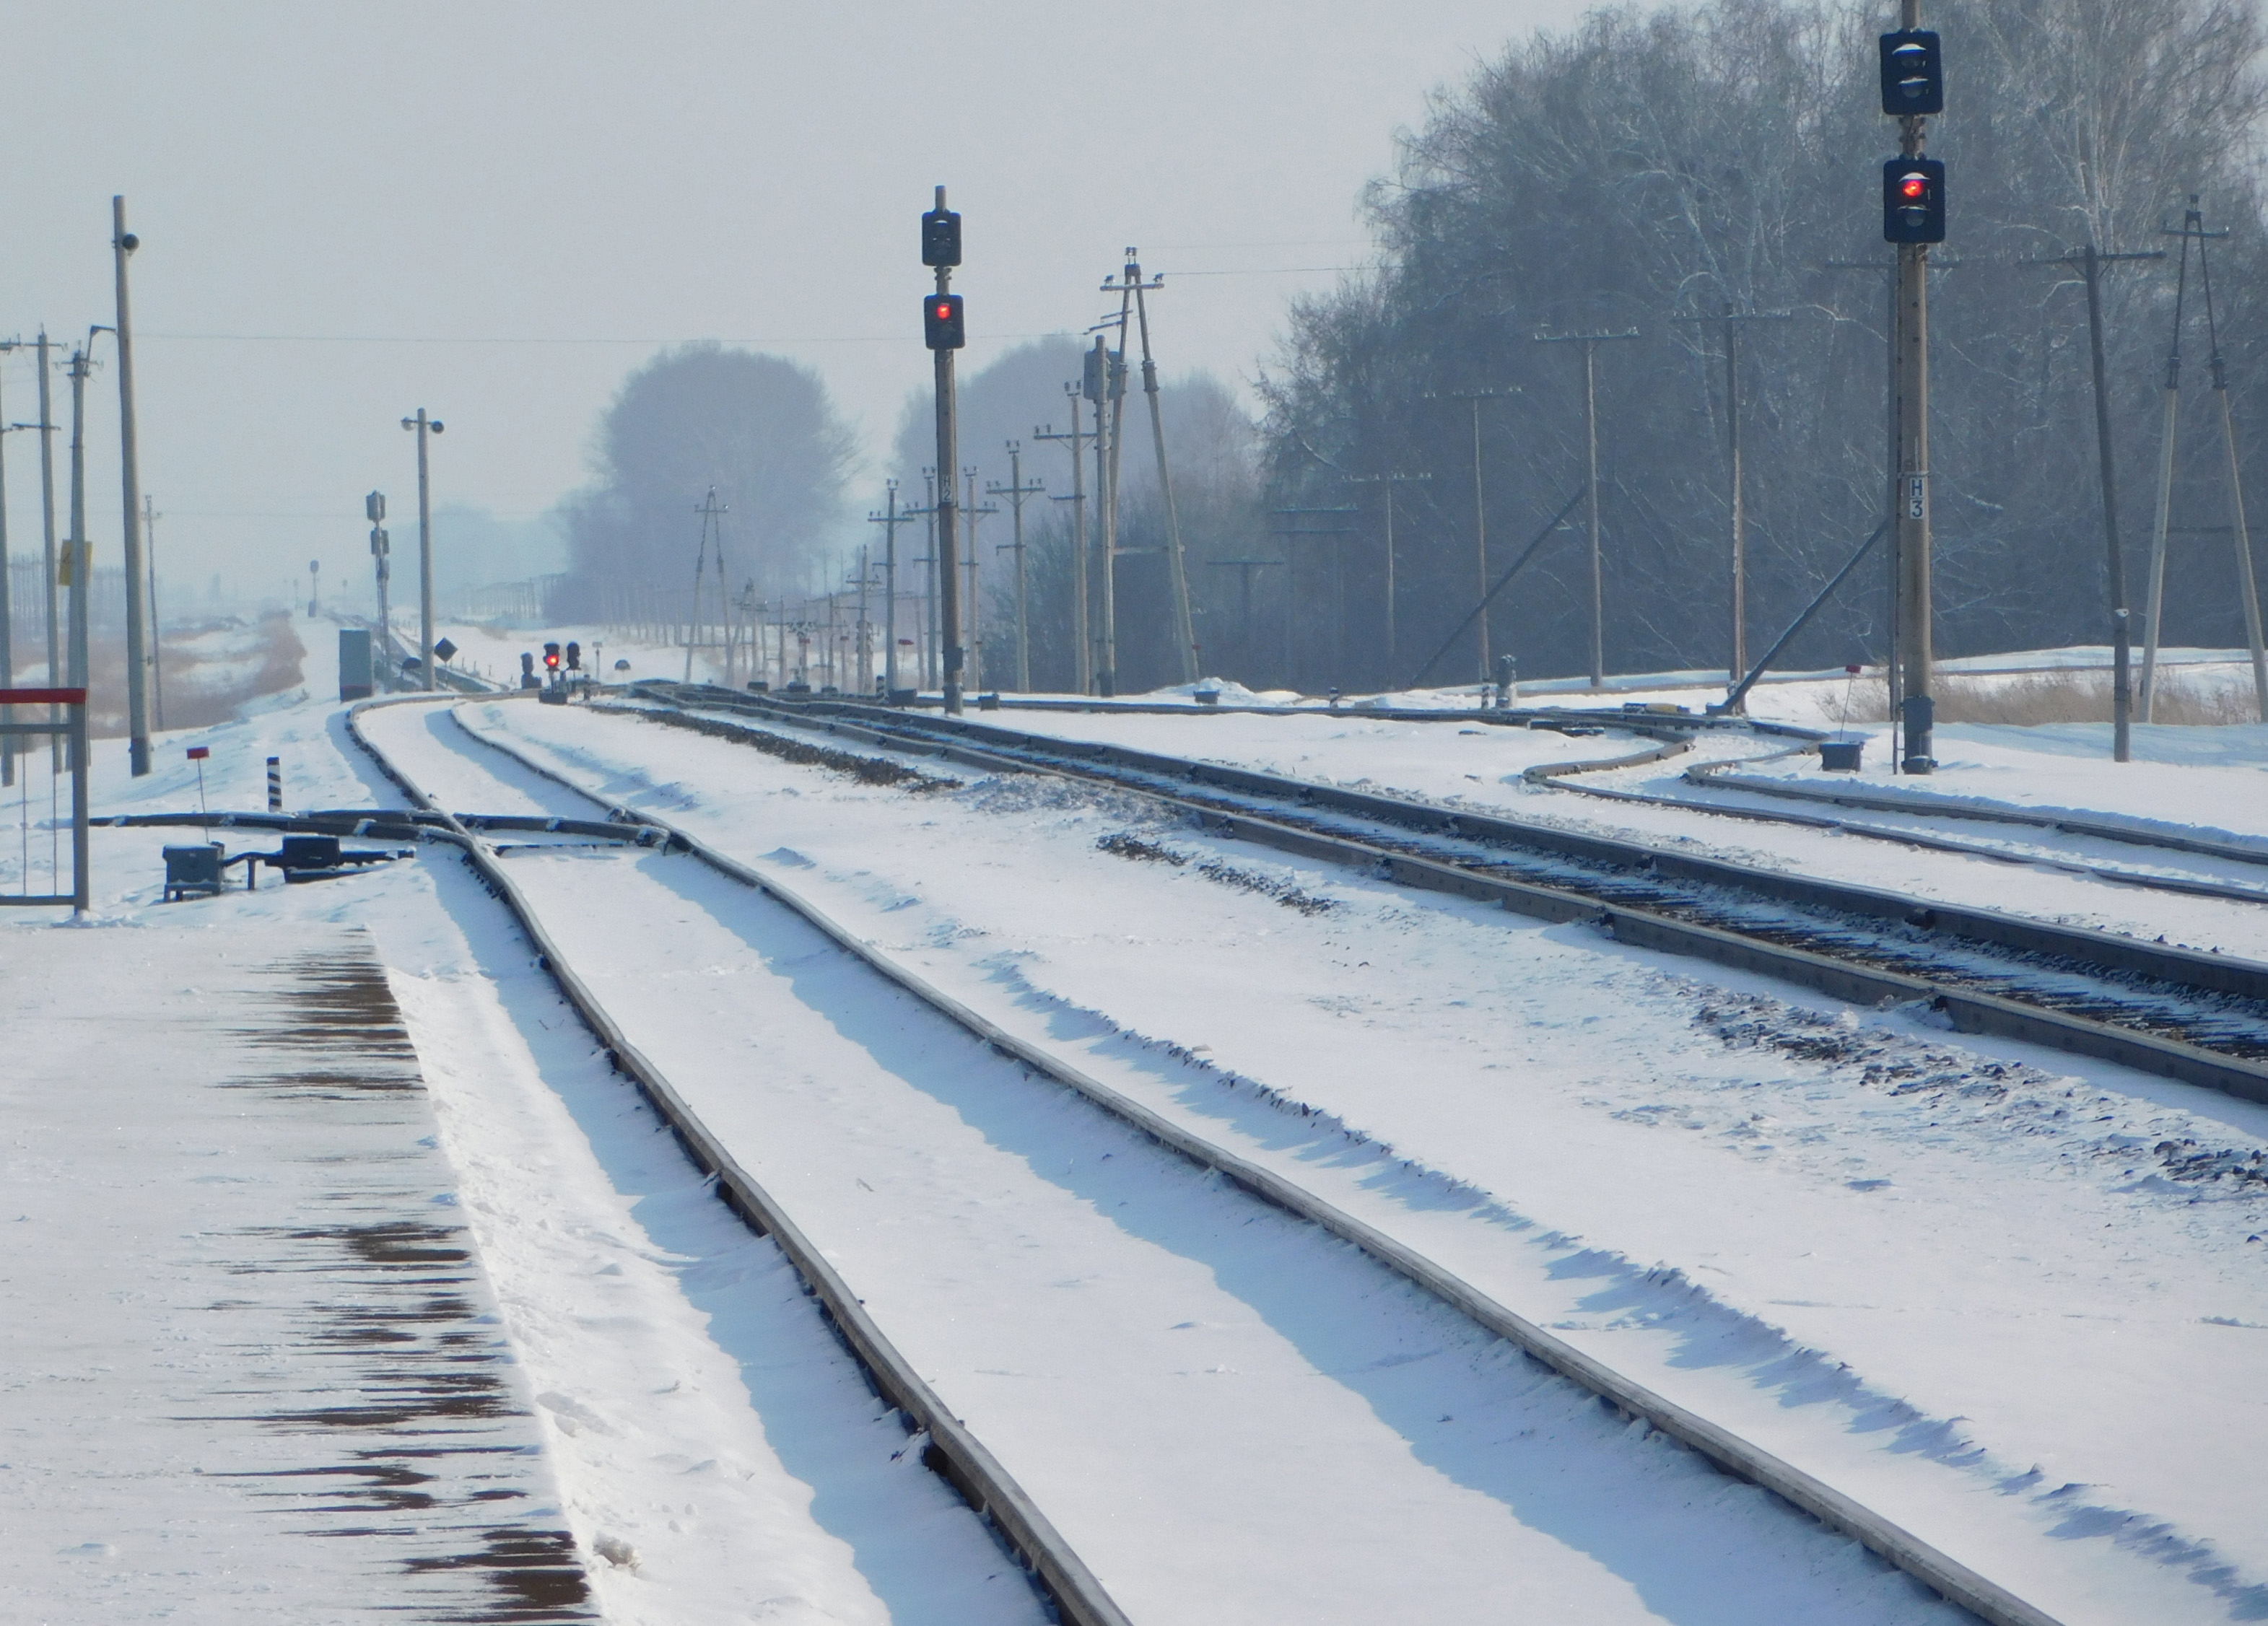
x,y
1913,218
945,331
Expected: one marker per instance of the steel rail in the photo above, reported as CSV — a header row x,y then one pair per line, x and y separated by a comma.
x,y
953,1453
1970,1009
1935,1568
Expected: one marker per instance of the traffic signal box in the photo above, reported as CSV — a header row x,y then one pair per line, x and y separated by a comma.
x,y
1913,201
1914,73
941,237
942,328
551,658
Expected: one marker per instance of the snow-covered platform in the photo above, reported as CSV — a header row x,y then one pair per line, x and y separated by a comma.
x,y
254,1370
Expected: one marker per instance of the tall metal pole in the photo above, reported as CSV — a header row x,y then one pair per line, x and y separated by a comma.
x,y
123,243
949,531
1913,523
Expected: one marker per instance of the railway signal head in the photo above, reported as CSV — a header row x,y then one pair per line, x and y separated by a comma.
x,y
527,665
1914,73
551,658
941,237
574,658
942,327
1913,201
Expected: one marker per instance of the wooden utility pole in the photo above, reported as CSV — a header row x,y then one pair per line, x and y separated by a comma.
x,y
1084,650
1016,492
1385,482
1733,319
1480,501
1590,342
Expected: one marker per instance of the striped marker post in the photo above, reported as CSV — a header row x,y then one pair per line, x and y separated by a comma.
x,y
275,784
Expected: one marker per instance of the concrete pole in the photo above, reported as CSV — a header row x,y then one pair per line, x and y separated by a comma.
x,y
55,625
972,605
948,529
889,522
1739,539
1184,624
1591,502
8,742
1480,537
76,544
2121,629
157,627
1106,480
423,425
1918,656
123,243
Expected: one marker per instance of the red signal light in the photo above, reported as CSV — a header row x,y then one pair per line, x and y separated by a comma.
x,y
1913,186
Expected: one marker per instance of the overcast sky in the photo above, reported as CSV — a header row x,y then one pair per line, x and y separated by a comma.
x,y
496,208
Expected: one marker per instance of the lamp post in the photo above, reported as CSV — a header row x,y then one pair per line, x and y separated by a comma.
x,y
423,425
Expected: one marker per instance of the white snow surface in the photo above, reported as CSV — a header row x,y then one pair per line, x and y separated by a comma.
x,y
1965,1280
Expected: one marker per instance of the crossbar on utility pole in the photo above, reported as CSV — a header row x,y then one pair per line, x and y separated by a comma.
x,y
1732,320
1386,483
2091,260
1016,492
1480,505
1590,342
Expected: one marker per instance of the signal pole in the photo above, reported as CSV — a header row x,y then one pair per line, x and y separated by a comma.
x,y
1590,342
1480,505
1912,88
123,243
1016,492
1084,649
1386,482
941,248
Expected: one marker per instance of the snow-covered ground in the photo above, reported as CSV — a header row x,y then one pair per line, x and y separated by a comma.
x,y
2010,1299
1972,1282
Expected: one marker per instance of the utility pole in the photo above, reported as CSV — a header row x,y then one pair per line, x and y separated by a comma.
x,y
1386,482
2090,262
1083,651
974,618
1733,319
8,742
711,512
1338,598
123,243
1184,625
47,535
423,425
2192,228
1016,492
928,510
941,248
80,553
1590,342
1106,381
890,519
157,624
381,552
1480,505
1246,567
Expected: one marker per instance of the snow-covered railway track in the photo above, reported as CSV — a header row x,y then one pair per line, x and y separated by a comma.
x,y
1246,1180
2198,1017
